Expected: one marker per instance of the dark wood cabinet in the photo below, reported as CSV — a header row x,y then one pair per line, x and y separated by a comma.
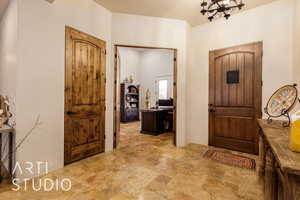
x,y
129,109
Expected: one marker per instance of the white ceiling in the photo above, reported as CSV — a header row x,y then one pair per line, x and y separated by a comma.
x,y
188,10
3,6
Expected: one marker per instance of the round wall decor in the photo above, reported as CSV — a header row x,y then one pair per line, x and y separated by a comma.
x,y
281,103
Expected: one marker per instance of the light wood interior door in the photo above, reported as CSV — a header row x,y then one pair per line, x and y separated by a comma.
x,y
84,95
235,97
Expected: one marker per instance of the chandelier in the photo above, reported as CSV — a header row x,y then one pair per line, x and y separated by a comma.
x,y
217,8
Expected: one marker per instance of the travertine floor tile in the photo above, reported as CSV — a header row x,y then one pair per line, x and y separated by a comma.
x,y
148,167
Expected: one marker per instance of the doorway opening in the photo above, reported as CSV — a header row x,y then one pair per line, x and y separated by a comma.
x,y
145,93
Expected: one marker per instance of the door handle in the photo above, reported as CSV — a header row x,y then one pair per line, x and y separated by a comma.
x,y
212,110
71,113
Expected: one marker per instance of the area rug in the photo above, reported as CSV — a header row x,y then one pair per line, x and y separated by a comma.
x,y
231,159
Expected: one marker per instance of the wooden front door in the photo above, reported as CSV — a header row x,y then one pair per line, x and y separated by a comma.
x,y
235,94
84,96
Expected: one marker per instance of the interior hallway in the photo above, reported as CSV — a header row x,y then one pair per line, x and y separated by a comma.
x,y
150,168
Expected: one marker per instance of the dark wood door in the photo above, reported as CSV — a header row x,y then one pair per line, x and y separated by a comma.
x,y
84,95
235,94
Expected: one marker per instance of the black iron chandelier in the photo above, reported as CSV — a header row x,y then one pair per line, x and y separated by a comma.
x,y
217,8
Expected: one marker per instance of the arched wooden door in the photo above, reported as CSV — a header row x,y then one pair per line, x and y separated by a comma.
x,y
235,94
84,95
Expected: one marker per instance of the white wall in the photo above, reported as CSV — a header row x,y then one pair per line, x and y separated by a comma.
x,y
272,24
157,32
8,52
130,64
296,72
155,64
8,59
40,80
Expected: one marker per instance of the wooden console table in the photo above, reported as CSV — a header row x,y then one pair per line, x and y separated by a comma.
x,y
6,130
279,166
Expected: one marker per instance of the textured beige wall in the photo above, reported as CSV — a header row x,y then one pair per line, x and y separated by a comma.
x,y
296,72
9,58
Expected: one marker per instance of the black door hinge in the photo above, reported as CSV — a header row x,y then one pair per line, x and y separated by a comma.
x,y
104,137
115,81
174,84
115,134
175,59
115,108
104,108
116,55
262,83
105,52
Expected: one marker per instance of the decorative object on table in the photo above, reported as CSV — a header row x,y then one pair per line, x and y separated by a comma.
x,y
131,79
295,132
231,159
220,8
126,80
5,113
147,99
281,103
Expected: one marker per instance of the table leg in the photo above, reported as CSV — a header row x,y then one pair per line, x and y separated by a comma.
x,y
11,147
271,178
262,157
0,155
288,188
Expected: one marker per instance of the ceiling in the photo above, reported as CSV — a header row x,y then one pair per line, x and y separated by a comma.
x,y
188,10
3,6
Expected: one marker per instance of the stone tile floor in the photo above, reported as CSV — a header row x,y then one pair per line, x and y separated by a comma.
x,y
149,168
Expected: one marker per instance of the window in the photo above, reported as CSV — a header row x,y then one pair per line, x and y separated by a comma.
x,y
163,89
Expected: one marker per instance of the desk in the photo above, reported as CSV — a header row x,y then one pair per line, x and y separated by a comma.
x,y
279,166
153,121
6,130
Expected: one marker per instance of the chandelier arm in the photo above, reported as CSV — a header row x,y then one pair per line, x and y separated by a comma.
x,y
214,14
220,7
209,7
215,9
233,7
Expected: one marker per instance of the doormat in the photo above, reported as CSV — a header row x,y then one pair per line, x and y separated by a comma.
x,y
231,159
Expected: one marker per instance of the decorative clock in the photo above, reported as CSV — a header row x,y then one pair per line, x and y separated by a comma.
x,y
281,103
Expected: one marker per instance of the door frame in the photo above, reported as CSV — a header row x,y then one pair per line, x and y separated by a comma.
x,y
117,77
258,46
68,28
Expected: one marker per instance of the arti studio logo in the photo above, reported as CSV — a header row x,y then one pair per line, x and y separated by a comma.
x,y
38,184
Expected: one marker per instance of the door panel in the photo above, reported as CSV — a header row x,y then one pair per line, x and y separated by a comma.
x,y
84,96
233,106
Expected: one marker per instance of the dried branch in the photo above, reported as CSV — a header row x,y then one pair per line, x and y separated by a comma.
x,y
36,124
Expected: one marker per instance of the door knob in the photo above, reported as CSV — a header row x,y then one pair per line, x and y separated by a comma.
x,y
71,113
